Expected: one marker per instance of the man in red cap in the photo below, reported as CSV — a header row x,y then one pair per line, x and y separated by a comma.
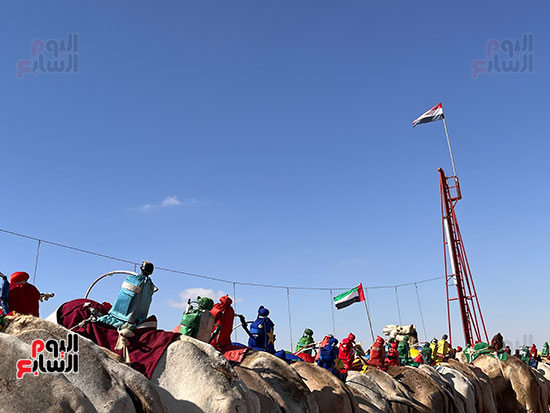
x,y
23,297
378,354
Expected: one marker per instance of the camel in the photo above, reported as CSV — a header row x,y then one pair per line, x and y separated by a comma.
x,y
423,388
279,386
544,385
447,386
191,372
174,382
543,376
516,387
106,384
462,385
368,393
365,404
485,395
268,381
544,368
383,391
46,393
330,393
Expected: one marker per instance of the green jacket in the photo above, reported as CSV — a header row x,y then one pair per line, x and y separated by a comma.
x,y
427,353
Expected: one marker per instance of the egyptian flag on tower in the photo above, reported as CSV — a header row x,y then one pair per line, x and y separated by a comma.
x,y
355,295
435,113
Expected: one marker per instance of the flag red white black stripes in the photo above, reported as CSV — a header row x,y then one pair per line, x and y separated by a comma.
x,y
354,295
435,113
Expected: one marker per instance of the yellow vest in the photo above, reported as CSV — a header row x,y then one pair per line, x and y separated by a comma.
x,y
442,347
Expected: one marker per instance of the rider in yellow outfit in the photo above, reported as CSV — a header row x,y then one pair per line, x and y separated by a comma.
x,y
442,349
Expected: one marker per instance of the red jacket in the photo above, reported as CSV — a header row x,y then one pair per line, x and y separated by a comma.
x,y
393,355
346,353
24,298
223,317
377,353
533,351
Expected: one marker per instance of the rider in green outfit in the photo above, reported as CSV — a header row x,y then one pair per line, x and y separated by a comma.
x,y
404,351
305,341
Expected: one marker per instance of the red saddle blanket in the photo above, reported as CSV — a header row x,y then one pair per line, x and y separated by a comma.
x,y
145,348
234,353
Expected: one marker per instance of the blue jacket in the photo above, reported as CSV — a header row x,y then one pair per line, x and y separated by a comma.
x,y
133,302
328,355
4,294
264,337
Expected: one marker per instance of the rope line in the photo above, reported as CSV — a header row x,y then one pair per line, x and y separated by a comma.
x,y
36,262
235,308
421,313
207,277
398,309
289,317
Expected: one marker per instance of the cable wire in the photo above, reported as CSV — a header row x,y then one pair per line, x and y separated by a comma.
x,y
208,277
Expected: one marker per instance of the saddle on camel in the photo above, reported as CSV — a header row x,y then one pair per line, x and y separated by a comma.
x,y
125,327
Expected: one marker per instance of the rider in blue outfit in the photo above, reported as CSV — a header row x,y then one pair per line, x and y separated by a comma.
x,y
328,355
263,337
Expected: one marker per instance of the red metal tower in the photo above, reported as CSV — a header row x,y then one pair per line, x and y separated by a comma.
x,y
458,274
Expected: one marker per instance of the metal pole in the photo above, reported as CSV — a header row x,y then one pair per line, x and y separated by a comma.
x,y
421,314
36,262
289,317
235,308
398,309
368,316
332,310
450,149
454,252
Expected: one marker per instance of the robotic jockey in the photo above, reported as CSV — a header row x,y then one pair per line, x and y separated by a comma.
x,y
24,298
4,294
305,341
223,314
134,299
262,334
198,322
378,354
393,355
404,351
328,355
347,351
427,353
545,352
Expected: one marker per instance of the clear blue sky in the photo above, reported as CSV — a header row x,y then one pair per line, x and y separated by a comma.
x,y
284,131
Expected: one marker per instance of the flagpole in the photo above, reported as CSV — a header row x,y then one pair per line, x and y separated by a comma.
x,y
368,316
449,143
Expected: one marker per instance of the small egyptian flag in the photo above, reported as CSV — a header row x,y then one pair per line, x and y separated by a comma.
x,y
354,295
435,113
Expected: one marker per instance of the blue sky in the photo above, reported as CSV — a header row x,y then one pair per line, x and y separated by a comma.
x,y
271,142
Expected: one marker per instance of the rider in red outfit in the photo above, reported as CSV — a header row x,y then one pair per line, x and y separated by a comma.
x,y
378,354
24,298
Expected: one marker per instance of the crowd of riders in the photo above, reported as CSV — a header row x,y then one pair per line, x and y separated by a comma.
x,y
215,322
